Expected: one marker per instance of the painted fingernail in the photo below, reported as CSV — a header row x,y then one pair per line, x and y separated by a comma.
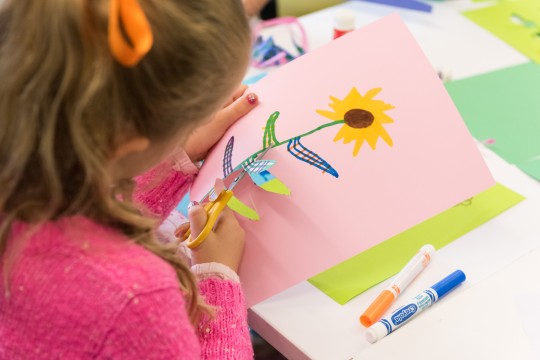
x,y
192,203
251,98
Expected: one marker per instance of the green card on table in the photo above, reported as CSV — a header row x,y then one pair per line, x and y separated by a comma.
x,y
504,105
516,22
356,275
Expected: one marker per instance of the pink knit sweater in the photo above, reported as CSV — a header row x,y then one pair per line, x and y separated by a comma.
x,y
78,290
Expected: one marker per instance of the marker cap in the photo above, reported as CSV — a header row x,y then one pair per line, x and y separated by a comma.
x,y
377,308
444,286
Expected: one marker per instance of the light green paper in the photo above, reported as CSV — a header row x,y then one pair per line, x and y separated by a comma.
x,y
531,167
236,205
504,106
497,19
354,276
276,186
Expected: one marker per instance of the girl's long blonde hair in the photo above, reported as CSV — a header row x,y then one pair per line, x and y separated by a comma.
x,y
64,102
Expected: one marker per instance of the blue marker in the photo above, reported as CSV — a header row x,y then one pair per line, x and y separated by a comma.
x,y
419,303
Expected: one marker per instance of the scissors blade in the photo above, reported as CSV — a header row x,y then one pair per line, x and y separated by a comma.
x,y
244,172
237,179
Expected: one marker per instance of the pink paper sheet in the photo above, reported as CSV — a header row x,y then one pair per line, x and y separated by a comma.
x,y
432,165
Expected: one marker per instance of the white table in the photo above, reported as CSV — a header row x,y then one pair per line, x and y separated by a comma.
x,y
483,319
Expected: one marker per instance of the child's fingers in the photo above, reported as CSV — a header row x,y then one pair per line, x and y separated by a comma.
x,y
239,92
227,222
197,219
226,216
224,245
237,109
181,230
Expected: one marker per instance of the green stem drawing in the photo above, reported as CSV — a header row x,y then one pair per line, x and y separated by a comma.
x,y
254,155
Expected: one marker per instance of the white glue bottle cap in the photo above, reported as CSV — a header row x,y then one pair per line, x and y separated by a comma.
x,y
344,22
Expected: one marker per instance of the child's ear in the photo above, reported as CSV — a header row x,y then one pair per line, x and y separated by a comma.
x,y
130,147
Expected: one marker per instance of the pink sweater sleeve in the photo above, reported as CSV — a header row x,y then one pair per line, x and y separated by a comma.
x,y
160,189
227,335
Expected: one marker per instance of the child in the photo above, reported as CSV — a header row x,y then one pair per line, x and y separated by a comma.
x,y
94,94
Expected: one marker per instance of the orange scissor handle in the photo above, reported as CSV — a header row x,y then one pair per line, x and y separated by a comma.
x,y
213,209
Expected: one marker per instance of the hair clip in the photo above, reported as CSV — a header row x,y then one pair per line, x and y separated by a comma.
x,y
266,53
130,34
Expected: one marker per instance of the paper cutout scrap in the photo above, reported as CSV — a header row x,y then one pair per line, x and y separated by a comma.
x,y
258,166
352,277
516,22
239,207
269,182
505,108
219,187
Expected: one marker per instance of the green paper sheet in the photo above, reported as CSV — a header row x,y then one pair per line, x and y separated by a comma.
x,y
521,31
354,276
238,206
504,106
276,186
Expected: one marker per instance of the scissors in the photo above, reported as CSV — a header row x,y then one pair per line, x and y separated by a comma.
x,y
216,205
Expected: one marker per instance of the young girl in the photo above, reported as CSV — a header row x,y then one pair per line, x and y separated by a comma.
x,y
96,93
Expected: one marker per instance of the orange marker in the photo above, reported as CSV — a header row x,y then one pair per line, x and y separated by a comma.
x,y
377,308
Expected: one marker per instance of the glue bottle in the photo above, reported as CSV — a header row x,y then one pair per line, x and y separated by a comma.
x,y
343,22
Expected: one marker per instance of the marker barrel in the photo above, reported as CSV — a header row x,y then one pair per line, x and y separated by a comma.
x,y
399,283
419,303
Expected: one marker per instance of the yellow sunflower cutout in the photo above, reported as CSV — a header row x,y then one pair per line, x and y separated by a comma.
x,y
362,117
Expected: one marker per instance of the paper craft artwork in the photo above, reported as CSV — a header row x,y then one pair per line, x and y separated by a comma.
x,y
359,273
388,151
516,22
505,113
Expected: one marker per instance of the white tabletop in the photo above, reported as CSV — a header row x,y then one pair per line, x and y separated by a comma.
x,y
484,318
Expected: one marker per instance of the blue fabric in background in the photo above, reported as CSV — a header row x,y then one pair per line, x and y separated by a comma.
x,y
253,79
182,206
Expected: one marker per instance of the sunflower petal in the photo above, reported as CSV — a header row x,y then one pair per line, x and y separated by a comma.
x,y
372,135
384,135
384,119
357,146
330,115
372,93
341,133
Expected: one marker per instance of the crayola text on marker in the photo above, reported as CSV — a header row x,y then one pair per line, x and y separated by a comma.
x,y
419,303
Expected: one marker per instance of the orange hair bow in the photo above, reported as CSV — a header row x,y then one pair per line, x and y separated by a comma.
x,y
130,34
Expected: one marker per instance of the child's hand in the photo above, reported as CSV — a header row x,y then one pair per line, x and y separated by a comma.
x,y
225,244
204,137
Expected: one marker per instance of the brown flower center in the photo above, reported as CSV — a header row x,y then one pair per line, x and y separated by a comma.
x,y
359,118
